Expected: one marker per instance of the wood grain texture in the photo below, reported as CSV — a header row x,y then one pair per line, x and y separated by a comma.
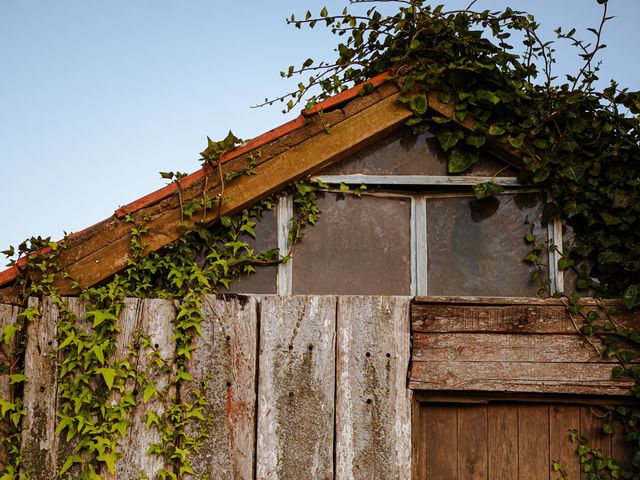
x,y
296,388
533,347
44,451
496,347
441,426
8,366
40,392
546,318
129,324
524,377
563,418
373,406
533,442
154,319
225,360
502,441
472,442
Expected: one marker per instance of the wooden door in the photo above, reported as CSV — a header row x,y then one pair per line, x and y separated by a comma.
x,y
504,441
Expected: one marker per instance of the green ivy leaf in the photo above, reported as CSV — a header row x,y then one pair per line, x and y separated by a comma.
x,y
149,391
110,460
460,161
487,189
565,263
109,375
631,296
609,256
419,104
100,316
517,141
448,138
475,140
496,130
488,96
17,378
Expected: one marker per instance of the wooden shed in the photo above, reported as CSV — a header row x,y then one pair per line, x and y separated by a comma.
x,y
404,339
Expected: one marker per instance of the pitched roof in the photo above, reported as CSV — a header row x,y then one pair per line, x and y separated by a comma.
x,y
289,152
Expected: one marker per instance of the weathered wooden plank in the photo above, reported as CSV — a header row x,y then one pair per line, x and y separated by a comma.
x,y
78,308
373,407
591,427
522,318
472,442
621,450
533,442
472,300
8,364
296,387
442,443
438,318
129,324
502,435
496,347
418,440
40,392
563,418
154,319
569,378
225,360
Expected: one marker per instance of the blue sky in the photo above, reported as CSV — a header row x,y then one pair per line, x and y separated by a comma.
x,y
97,97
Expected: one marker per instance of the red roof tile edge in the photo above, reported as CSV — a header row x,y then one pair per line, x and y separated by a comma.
x,y
12,273
9,275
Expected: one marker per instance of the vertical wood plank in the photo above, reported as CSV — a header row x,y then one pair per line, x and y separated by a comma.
x,y
502,432
40,392
62,448
472,442
373,407
129,324
563,418
418,440
8,316
154,318
591,427
296,386
621,451
533,442
225,360
442,443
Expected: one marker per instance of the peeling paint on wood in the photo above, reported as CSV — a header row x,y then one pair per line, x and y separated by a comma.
x,y
373,406
296,388
225,360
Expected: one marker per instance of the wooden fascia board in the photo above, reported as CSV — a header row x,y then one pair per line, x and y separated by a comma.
x,y
320,150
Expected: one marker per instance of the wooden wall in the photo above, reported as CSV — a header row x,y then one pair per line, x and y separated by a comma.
x,y
300,387
514,345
